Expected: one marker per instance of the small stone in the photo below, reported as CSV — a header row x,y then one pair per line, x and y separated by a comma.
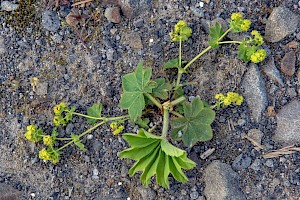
x,y
50,20
194,195
281,23
9,6
71,19
271,111
69,128
197,12
288,120
57,38
2,46
111,55
291,92
95,172
113,14
287,65
256,164
241,122
41,88
256,134
271,71
241,162
132,39
138,23
9,193
89,136
269,163
146,193
292,45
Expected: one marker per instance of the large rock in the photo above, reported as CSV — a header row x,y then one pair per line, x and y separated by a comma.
x,y
9,193
271,71
281,23
255,92
221,182
288,124
287,65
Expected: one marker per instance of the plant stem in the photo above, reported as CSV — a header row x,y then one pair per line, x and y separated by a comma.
x,y
176,113
177,101
62,139
156,102
230,42
165,123
87,116
82,134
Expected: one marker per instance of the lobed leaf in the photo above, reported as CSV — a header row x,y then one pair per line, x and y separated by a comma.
x,y
94,111
134,85
215,32
162,89
158,158
173,63
195,125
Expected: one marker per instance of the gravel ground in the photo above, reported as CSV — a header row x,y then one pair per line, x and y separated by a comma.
x,y
36,40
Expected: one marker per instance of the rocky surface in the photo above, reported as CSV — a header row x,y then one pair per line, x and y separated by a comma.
x,y
80,55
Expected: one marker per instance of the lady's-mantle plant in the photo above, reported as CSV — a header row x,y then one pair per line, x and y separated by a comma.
x,y
190,122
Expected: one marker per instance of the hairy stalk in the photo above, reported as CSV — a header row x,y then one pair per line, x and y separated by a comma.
x,y
156,102
179,68
230,42
178,101
165,123
87,116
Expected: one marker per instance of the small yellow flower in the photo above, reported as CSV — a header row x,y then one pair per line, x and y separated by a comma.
x,y
258,39
44,154
48,140
29,136
179,25
227,101
239,100
219,96
236,16
258,56
118,130
245,25
59,108
31,128
114,125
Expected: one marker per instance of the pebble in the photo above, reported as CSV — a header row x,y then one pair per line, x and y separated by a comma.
x,y
255,92
113,14
194,195
287,65
281,23
50,20
146,193
241,162
256,165
9,6
197,12
291,92
256,134
138,23
111,55
132,39
221,182
271,71
2,46
288,119
269,163
8,192
241,122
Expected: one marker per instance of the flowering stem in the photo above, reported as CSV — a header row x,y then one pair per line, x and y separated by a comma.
x,y
230,42
180,71
63,139
156,102
87,116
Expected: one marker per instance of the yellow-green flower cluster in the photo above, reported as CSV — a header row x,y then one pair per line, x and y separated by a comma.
x,y
33,134
60,119
230,98
48,140
181,32
258,39
258,56
116,128
238,23
49,154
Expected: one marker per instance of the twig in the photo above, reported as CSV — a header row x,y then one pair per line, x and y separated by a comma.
x,y
81,2
283,151
254,142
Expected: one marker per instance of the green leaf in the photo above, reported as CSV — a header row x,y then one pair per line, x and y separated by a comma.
x,y
143,123
245,51
162,89
134,86
195,125
158,157
78,142
94,111
215,32
173,63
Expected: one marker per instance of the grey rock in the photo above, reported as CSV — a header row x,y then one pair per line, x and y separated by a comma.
x,y
271,71
138,23
288,124
197,12
9,193
50,21
146,193
241,162
291,92
2,46
9,6
113,14
269,163
256,165
281,23
132,39
111,55
255,92
222,183
256,134
69,128
56,38
194,195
